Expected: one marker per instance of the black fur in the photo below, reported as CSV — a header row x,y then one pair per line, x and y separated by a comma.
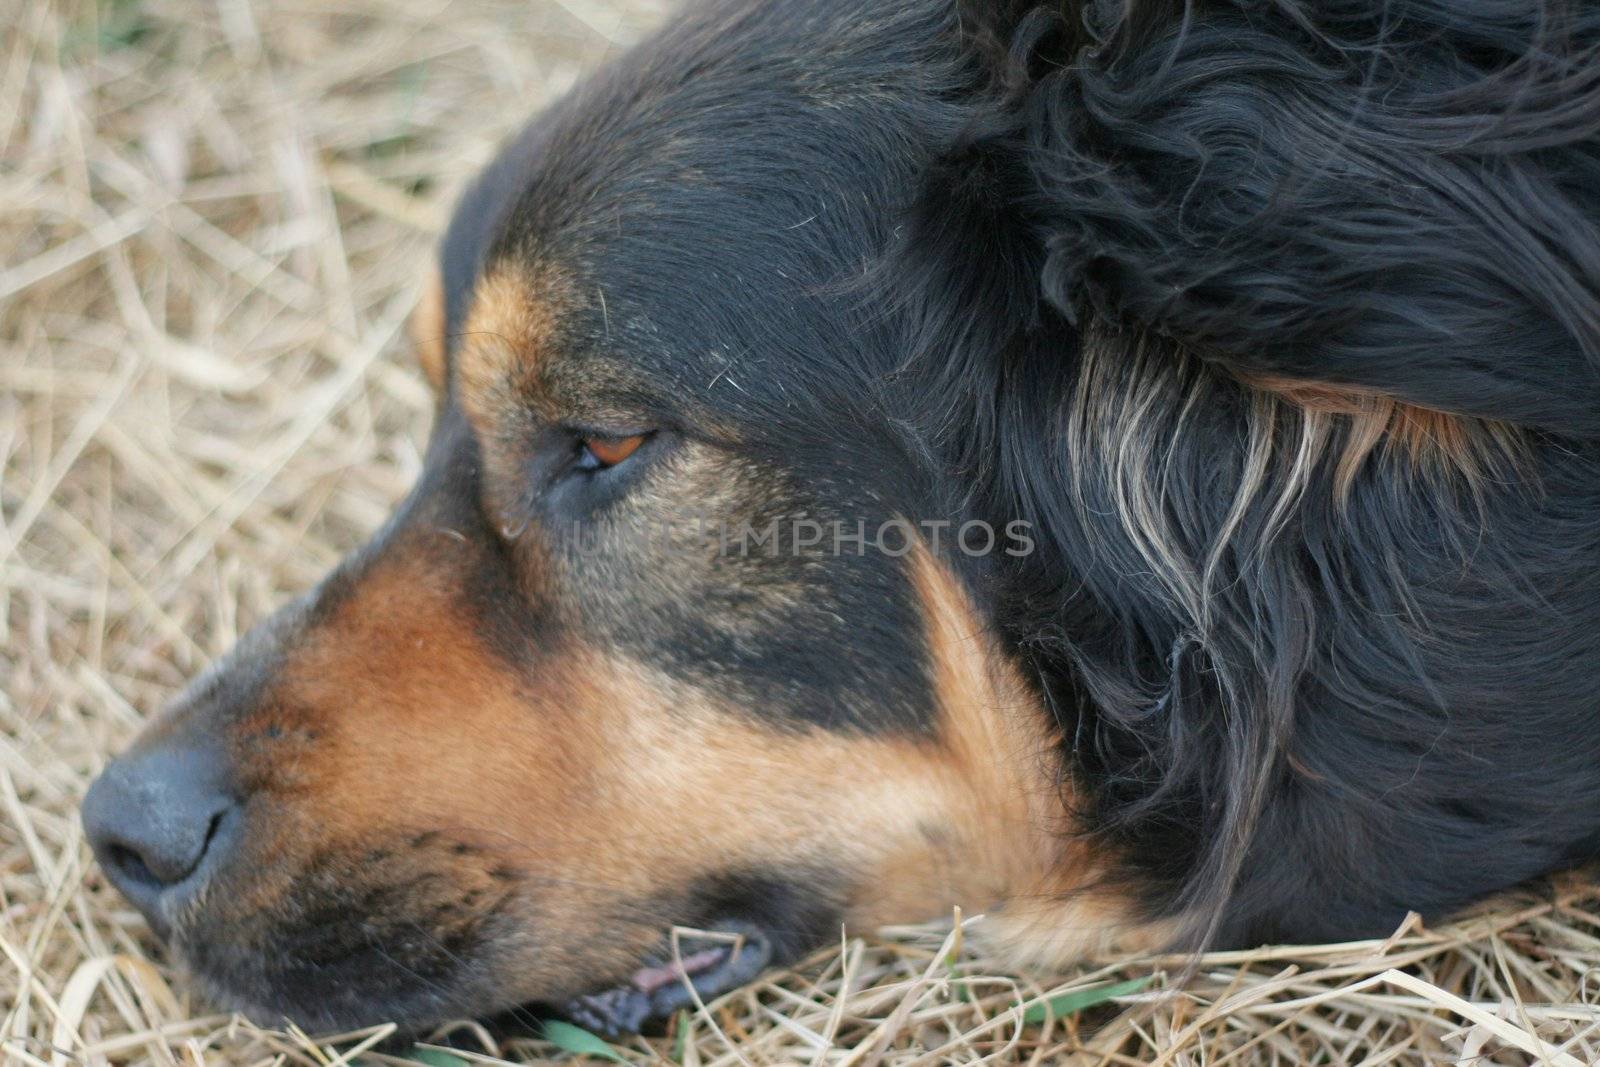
x,y
1022,255
1071,265
1305,718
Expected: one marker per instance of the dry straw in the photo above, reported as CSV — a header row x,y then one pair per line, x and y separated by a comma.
x,y
212,219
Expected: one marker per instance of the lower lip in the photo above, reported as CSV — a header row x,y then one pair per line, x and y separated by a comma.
x,y
650,979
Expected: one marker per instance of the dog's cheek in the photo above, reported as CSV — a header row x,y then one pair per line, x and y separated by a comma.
x,y
998,838
553,817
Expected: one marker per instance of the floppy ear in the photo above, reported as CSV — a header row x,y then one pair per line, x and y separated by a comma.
x,y
1401,197
1395,198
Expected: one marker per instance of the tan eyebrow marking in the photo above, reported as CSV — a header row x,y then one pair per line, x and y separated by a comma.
x,y
426,329
510,333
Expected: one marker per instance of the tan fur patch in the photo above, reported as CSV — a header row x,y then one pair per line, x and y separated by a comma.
x,y
427,326
1470,447
601,780
509,335
1048,906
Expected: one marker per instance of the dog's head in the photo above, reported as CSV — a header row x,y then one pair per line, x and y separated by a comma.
x,y
678,628
899,455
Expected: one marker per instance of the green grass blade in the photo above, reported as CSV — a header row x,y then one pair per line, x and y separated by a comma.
x,y
680,1044
577,1040
1070,1003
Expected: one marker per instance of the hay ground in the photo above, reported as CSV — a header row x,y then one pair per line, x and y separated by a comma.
x,y
213,217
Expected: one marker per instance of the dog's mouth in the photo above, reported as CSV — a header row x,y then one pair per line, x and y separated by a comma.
x,y
695,965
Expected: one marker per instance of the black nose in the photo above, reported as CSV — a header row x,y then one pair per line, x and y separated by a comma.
x,y
157,820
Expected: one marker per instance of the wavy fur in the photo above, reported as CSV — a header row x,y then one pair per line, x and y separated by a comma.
x,y
1312,678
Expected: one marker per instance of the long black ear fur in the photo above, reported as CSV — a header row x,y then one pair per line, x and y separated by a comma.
x,y
1396,194
1402,195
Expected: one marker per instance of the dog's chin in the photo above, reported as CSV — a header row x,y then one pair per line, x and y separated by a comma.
x,y
370,988
327,1011
363,989
690,967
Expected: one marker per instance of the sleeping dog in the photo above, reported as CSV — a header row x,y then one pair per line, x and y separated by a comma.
x,y
1128,468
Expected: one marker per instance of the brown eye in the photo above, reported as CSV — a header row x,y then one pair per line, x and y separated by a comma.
x,y
602,452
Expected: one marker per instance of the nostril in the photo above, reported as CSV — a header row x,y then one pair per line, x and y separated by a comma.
x,y
160,863
131,866
162,859
211,832
157,819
